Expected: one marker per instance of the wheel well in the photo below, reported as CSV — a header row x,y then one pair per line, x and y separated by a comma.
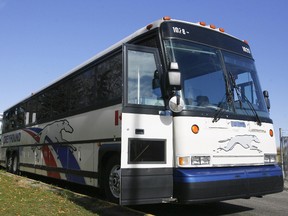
x,y
10,155
109,155
11,152
102,164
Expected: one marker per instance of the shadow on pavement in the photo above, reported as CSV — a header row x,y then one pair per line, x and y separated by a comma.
x,y
217,208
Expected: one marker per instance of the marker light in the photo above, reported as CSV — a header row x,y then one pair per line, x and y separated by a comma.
x,y
245,41
271,133
221,30
212,26
195,129
148,27
166,18
202,23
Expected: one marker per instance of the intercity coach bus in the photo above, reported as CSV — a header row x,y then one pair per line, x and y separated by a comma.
x,y
172,113
1,117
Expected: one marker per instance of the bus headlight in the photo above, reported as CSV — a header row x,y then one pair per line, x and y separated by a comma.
x,y
200,160
270,158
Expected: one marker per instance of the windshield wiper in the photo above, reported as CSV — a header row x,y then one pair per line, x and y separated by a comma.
x,y
219,111
229,100
218,114
240,97
258,120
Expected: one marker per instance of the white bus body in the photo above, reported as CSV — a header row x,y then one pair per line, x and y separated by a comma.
x,y
172,113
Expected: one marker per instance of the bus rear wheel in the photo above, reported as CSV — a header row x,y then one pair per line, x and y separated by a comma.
x,y
111,179
15,166
12,163
9,162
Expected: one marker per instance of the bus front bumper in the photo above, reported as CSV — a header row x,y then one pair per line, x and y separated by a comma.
x,y
196,185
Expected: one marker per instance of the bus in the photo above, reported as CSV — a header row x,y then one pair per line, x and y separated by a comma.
x,y
1,117
172,113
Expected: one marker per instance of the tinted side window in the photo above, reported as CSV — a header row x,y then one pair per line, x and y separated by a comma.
x,y
81,90
14,118
109,79
95,87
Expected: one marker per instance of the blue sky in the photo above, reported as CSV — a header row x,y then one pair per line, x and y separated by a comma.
x,y
40,40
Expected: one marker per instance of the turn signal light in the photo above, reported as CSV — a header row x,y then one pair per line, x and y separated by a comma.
x,y
195,129
183,161
271,133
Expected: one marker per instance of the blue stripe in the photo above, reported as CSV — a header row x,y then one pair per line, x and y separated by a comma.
x,y
68,161
194,175
35,130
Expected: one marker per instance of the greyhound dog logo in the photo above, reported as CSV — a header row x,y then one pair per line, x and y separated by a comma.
x,y
53,133
50,143
246,141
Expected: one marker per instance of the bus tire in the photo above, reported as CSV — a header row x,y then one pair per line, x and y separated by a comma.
x,y
15,164
9,162
111,179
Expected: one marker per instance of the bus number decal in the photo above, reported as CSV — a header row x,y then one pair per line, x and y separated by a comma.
x,y
245,49
178,30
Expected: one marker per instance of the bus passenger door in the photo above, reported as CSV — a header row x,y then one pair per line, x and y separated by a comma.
x,y
146,137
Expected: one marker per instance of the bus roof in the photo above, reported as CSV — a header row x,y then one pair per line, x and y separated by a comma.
x,y
141,31
147,28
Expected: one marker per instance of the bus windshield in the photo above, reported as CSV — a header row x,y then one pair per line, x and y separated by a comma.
x,y
214,80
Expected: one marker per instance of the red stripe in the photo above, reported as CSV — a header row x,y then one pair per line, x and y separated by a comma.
x,y
50,161
116,117
35,136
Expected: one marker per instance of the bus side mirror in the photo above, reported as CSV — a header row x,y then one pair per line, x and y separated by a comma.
x,y
267,100
174,76
156,80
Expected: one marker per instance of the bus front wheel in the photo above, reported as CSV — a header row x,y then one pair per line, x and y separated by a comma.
x,y
112,179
